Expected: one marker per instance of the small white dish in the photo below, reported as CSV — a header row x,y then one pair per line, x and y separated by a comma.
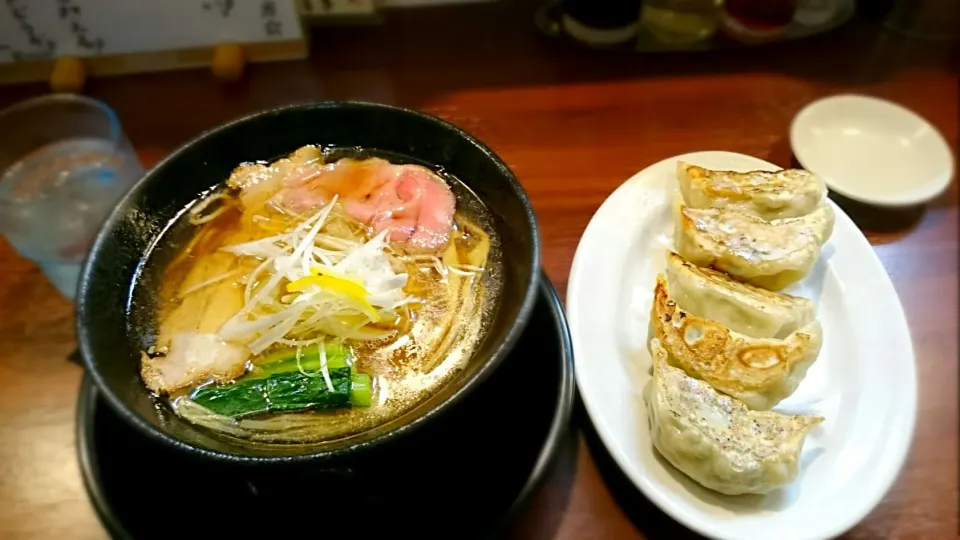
x,y
872,150
863,384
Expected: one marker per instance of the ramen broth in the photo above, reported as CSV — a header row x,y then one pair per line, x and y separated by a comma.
x,y
402,321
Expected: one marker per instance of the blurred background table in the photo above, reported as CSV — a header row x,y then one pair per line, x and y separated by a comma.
x,y
573,125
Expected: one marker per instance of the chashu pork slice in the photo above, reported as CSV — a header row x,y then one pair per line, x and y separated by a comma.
x,y
192,351
193,358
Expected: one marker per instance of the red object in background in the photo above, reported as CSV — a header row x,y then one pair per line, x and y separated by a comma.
x,y
758,20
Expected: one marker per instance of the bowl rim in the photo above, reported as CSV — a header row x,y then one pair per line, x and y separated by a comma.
x,y
85,306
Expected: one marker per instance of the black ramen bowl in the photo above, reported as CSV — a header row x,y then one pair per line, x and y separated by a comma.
x,y
457,478
110,338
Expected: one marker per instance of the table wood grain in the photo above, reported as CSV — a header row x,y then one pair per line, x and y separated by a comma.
x,y
573,125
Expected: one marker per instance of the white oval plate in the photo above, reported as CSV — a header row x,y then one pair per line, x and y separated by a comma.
x,y
864,382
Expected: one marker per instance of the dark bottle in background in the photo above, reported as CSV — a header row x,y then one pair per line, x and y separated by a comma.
x,y
875,10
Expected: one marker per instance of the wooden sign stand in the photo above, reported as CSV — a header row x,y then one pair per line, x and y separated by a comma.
x,y
67,41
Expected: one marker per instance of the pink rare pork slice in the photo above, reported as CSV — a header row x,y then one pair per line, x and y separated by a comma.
x,y
412,201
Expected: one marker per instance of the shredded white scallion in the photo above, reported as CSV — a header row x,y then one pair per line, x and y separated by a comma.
x,y
323,366
464,269
300,366
299,342
228,331
341,286
211,281
252,280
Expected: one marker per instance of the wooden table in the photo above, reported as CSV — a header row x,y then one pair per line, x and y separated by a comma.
x,y
573,125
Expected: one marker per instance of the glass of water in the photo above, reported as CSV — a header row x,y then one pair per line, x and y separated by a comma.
x,y
64,163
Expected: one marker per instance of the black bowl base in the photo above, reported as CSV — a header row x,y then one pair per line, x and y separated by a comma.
x,y
468,474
